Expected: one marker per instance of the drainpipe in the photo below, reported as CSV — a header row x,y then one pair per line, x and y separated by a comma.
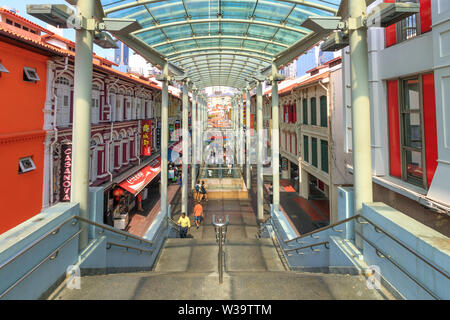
x,y
55,128
110,135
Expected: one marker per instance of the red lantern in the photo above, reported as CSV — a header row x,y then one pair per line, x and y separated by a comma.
x,y
117,193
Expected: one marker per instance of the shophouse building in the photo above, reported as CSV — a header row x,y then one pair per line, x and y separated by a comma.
x,y
23,79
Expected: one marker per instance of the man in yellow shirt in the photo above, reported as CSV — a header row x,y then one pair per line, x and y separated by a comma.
x,y
185,224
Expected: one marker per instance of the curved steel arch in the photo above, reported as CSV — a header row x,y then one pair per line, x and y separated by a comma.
x,y
220,37
218,60
224,80
224,77
176,53
219,69
217,20
218,53
144,2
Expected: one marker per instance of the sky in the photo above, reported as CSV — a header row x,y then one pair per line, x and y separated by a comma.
x,y
21,5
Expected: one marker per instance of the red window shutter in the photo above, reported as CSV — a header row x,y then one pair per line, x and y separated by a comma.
x,y
394,129
99,162
116,156
295,112
425,15
391,36
429,119
295,144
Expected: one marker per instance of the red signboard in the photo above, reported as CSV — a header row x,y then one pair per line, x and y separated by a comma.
x,y
66,168
139,180
146,138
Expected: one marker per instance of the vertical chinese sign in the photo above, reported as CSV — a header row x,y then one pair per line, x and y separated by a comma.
x,y
146,138
66,168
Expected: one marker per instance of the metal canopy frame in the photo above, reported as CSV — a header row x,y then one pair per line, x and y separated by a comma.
x,y
228,38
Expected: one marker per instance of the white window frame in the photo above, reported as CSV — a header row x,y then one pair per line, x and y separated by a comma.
x,y
29,77
3,69
22,168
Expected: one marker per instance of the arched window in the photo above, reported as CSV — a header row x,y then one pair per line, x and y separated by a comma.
x,y
95,107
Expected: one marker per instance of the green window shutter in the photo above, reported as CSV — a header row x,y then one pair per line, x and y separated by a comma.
x,y
323,112
313,112
305,111
314,152
324,154
305,149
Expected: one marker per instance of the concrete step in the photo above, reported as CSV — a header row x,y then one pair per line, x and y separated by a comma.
x,y
255,285
192,255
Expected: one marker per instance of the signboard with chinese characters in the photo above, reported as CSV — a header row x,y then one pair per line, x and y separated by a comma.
x,y
66,168
146,138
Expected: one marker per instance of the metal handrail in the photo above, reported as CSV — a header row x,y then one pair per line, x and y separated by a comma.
x,y
220,225
377,229
127,247
324,243
35,242
177,229
331,226
51,256
106,227
382,255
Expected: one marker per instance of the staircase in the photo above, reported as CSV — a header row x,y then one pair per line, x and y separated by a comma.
x,y
187,269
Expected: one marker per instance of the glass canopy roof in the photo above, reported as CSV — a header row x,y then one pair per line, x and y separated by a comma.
x,y
219,42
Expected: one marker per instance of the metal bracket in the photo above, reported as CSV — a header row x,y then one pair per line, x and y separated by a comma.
x,y
357,23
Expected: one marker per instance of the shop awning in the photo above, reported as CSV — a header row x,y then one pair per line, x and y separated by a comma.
x,y
137,182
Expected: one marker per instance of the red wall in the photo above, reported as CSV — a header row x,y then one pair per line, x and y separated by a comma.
x,y
21,135
394,129
429,120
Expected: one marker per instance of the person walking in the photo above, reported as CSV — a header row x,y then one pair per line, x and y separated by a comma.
x,y
185,225
197,194
198,214
203,191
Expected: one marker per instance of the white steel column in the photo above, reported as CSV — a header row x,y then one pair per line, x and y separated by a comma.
x,y
241,131
362,159
194,138
164,137
275,143
247,133
259,190
185,158
81,141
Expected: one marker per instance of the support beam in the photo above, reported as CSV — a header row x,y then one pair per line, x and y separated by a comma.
x,y
185,156
81,141
275,146
247,133
241,131
362,153
164,137
194,130
259,187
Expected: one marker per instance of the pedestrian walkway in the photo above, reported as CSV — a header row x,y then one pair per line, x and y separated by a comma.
x,y
141,221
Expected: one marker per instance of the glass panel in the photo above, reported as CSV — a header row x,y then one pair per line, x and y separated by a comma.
x,y
414,167
305,149
412,130
323,112
324,155
411,94
314,151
